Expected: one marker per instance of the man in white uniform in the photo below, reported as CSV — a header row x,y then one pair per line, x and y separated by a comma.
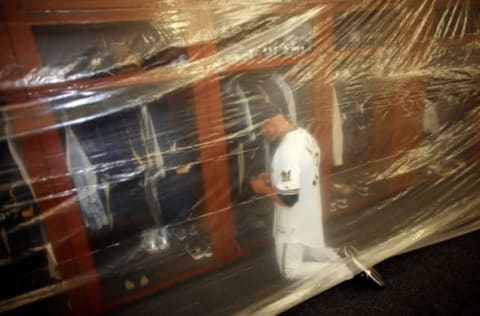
x,y
294,186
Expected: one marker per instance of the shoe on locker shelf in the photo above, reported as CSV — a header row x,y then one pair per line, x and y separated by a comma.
x,y
333,207
368,273
194,249
207,252
129,285
341,203
199,248
340,198
180,232
343,188
144,281
193,230
363,189
161,238
154,240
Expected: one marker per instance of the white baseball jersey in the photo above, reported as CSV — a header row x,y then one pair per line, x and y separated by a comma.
x,y
295,170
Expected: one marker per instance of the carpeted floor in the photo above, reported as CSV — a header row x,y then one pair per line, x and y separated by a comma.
x,y
442,279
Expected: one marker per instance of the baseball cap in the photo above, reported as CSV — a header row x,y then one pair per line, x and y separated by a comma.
x,y
265,97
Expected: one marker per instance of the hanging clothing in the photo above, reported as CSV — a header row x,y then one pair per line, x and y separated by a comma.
x,y
431,123
180,189
86,183
154,169
356,116
114,159
288,97
337,132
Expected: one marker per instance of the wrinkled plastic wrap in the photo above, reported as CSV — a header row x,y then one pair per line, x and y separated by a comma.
x,y
129,141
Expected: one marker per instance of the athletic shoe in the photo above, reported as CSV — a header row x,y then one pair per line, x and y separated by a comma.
x,y
342,203
363,189
343,188
144,281
193,230
161,239
153,241
129,285
369,273
207,252
333,207
194,250
180,232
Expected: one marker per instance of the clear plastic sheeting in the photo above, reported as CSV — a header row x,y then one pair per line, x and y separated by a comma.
x,y
225,157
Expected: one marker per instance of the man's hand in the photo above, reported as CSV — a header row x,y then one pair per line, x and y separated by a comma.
x,y
265,176
261,184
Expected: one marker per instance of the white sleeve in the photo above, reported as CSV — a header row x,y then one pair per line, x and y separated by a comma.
x,y
286,177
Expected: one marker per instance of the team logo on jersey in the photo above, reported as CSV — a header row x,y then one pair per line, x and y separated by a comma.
x,y
286,176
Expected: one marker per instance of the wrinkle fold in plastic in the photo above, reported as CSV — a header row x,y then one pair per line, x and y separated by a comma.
x,y
130,134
